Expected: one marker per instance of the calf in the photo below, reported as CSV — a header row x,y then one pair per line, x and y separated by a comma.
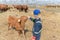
x,y
3,7
17,23
25,8
21,7
18,7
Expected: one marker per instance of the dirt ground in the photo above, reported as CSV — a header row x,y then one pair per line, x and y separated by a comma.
x,y
50,20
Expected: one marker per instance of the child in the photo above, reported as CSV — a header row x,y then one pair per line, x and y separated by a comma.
x,y
37,25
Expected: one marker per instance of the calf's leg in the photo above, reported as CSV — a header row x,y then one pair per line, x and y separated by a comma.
x,y
24,35
9,27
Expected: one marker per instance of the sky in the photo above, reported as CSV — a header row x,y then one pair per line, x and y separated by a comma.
x,y
42,2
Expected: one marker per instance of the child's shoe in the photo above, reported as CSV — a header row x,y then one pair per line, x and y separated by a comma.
x,y
33,38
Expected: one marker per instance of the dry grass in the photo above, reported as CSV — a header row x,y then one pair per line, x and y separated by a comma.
x,y
50,21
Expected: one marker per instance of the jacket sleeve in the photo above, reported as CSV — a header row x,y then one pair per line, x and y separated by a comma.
x,y
32,19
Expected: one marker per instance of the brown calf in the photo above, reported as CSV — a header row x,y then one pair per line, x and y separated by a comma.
x,y
17,23
3,7
25,7
21,7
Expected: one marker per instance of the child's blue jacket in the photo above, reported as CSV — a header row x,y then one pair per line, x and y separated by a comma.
x,y
37,25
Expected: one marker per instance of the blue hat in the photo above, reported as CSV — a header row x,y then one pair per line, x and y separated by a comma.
x,y
36,11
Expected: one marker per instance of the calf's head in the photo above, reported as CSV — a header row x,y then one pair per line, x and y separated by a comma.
x,y
22,19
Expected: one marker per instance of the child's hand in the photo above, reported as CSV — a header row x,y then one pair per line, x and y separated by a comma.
x,y
28,16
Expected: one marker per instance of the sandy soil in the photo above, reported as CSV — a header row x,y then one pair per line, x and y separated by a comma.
x,y
50,20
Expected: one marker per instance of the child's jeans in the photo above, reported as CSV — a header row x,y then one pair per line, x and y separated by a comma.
x,y
37,36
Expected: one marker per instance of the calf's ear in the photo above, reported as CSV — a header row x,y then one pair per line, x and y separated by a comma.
x,y
18,20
